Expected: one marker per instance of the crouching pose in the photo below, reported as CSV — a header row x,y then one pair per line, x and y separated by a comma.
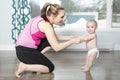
x,y
37,37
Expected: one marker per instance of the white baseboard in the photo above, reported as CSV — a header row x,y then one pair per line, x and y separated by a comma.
x,y
117,47
7,47
72,48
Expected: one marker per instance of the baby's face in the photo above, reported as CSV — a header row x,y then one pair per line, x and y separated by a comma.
x,y
91,27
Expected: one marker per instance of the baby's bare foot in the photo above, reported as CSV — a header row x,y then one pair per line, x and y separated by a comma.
x,y
82,67
86,69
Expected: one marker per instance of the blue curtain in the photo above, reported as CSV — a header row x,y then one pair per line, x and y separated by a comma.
x,y
20,17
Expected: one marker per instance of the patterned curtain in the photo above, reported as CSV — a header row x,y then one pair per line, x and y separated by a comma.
x,y
20,17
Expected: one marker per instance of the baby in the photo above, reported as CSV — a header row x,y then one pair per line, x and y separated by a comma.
x,y
91,44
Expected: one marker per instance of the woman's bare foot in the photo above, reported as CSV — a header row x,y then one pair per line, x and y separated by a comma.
x,y
21,69
17,74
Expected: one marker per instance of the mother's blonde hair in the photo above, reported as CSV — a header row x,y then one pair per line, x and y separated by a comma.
x,y
49,9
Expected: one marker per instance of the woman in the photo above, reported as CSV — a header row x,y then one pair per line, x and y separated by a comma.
x,y
37,37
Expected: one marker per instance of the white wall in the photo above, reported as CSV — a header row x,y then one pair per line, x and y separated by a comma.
x,y
5,25
106,37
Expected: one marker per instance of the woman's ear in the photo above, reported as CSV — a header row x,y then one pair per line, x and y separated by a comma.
x,y
53,16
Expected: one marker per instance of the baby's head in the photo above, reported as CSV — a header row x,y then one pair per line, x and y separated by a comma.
x,y
91,26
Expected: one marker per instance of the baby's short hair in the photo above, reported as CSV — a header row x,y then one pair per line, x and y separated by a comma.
x,y
92,20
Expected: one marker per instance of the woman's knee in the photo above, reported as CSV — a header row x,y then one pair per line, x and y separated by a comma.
x,y
51,68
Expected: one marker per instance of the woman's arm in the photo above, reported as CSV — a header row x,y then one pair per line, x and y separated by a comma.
x,y
51,36
59,37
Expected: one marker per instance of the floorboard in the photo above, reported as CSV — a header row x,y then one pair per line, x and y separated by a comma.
x,y
67,66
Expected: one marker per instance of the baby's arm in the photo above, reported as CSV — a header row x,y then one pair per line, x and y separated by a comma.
x,y
90,37
87,37
82,38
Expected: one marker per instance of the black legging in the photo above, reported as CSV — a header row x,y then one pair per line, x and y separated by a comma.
x,y
34,56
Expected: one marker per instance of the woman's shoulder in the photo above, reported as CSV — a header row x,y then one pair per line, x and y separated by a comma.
x,y
38,18
44,23
45,26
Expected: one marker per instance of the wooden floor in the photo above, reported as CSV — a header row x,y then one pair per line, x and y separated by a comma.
x,y
68,66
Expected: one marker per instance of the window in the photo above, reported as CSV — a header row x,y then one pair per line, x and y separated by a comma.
x,y
116,14
80,7
106,17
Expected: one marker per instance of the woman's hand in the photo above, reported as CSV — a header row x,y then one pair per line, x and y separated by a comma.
x,y
82,39
76,40
71,37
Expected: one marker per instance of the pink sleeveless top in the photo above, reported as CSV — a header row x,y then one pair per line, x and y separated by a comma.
x,y
31,35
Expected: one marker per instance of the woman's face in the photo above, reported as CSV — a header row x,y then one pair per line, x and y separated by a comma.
x,y
59,18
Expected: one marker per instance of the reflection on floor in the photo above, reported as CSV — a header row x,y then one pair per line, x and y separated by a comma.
x,y
68,66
